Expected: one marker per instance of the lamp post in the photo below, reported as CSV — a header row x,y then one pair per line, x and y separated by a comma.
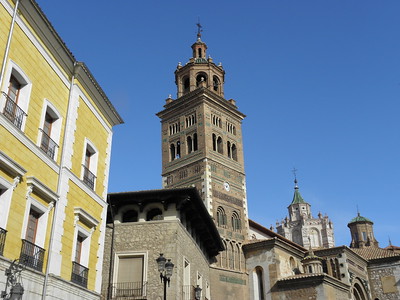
x,y
165,268
197,292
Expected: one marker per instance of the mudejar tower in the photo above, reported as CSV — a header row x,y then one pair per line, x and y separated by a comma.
x,y
202,146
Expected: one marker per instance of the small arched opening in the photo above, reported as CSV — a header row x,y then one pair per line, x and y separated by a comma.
x,y
154,214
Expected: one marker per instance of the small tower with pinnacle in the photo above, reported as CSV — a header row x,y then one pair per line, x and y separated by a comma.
x,y
362,232
302,228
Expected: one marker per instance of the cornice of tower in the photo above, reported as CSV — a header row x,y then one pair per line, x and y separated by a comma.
x,y
200,95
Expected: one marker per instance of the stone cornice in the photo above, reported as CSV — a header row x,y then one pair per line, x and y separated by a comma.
x,y
200,95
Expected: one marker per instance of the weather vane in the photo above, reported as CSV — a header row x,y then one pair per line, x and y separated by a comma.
x,y
294,171
199,29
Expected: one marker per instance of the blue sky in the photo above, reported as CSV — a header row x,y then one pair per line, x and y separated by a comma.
x,y
319,82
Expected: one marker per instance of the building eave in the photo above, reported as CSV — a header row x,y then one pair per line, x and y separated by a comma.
x,y
185,199
36,18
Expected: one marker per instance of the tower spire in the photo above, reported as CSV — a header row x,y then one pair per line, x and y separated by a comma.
x,y
296,187
199,30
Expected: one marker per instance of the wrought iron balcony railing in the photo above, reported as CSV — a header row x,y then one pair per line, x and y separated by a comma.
x,y
128,290
3,234
79,274
88,177
13,112
31,255
48,145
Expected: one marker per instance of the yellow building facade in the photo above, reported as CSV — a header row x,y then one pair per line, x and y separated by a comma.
x,y
55,146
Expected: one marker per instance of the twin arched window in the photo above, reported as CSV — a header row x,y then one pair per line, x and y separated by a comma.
x,y
191,142
236,224
175,150
221,217
232,151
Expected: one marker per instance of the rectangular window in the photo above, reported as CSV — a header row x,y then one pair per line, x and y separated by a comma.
x,y
80,272
13,89
47,144
31,254
78,248
12,110
130,280
89,165
31,230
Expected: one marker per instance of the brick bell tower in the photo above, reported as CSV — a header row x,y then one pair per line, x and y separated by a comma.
x,y
202,147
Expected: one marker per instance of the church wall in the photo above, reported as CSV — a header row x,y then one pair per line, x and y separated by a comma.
x,y
276,263
384,280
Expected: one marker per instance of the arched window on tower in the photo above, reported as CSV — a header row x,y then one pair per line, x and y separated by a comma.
x,y
199,53
219,145
236,225
201,77
216,84
172,151
186,85
214,139
221,217
195,147
228,147
189,144
178,149
234,152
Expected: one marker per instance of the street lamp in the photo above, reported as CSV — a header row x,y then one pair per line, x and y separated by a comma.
x,y
197,292
165,268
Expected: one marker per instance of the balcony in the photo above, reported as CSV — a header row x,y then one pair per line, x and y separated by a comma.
x,y
79,274
48,145
31,255
13,112
3,234
88,177
128,291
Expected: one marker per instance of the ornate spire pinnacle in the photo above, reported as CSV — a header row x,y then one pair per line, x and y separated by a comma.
x,y
296,187
199,30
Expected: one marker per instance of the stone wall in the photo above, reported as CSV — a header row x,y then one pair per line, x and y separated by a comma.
x,y
155,237
384,279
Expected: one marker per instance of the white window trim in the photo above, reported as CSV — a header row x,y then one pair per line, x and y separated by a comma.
x,y
35,185
42,222
199,279
5,201
82,216
119,254
55,128
25,91
85,218
185,280
93,160
85,251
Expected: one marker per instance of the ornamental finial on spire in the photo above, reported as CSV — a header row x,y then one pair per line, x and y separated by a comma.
x,y
295,178
199,29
